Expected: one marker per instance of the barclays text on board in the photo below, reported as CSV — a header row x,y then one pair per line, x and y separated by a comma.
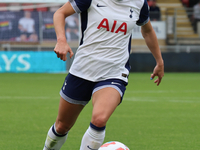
x,y
31,62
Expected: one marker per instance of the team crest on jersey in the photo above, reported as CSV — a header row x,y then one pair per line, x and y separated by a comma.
x,y
131,15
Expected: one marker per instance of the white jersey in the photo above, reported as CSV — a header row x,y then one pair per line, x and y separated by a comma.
x,y
106,37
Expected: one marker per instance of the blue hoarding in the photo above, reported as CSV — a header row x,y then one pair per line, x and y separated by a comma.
x,y
31,62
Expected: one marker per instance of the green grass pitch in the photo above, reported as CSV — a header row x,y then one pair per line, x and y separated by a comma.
x,y
165,117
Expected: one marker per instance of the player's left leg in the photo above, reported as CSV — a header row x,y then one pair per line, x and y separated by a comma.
x,y
104,102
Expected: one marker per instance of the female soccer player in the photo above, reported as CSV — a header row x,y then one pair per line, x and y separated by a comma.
x,y
101,66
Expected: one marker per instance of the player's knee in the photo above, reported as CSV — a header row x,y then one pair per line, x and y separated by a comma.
x,y
62,128
99,120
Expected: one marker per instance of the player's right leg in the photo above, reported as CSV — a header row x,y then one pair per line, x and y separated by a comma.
x,y
75,94
57,134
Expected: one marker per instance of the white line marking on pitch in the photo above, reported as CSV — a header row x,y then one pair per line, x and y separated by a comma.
x,y
164,91
163,99
26,97
133,99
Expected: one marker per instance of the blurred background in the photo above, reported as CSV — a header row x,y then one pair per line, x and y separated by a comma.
x,y
27,36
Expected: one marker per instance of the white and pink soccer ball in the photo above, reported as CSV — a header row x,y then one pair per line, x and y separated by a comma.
x,y
113,145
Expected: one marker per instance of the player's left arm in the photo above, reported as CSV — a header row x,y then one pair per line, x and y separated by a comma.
x,y
152,43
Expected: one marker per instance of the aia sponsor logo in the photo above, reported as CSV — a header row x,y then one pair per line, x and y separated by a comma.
x,y
105,24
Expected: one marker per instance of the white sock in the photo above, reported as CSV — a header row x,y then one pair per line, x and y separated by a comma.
x,y
54,141
93,138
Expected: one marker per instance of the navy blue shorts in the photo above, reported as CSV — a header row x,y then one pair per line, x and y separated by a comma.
x,y
76,90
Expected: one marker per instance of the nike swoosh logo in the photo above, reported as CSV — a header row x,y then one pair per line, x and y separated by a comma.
x,y
100,5
91,148
115,83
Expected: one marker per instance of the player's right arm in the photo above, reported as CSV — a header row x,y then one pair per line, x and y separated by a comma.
x,y
62,47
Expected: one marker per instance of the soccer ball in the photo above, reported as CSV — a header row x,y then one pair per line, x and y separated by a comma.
x,y
113,145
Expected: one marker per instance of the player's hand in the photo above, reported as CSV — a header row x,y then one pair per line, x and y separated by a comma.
x,y
158,71
61,49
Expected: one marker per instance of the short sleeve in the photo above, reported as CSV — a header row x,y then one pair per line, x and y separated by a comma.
x,y
144,14
80,5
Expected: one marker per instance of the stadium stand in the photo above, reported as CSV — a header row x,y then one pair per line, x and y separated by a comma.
x,y
176,14
182,23
14,7
53,8
186,3
4,6
43,9
27,9
42,13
